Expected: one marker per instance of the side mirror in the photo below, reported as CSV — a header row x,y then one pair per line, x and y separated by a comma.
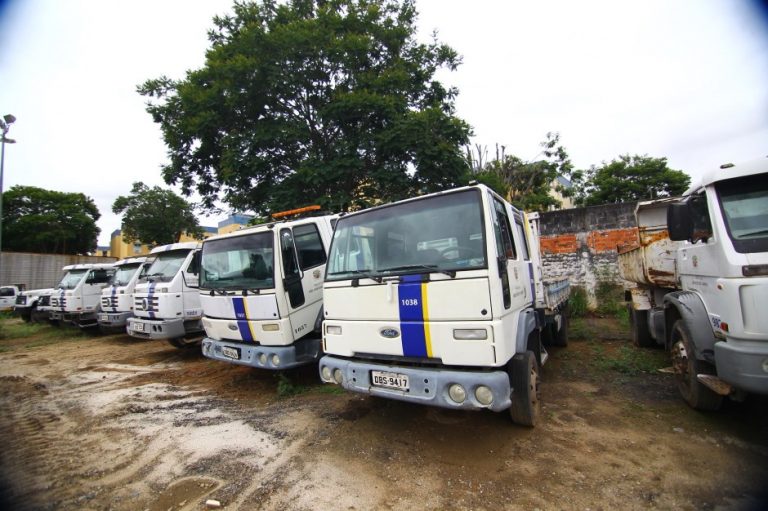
x,y
679,221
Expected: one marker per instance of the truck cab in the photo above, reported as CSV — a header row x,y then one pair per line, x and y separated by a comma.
x,y
698,283
117,297
261,293
77,296
166,300
433,300
8,296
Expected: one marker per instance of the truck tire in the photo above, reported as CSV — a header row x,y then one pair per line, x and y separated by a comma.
x,y
27,316
641,334
183,343
526,398
687,366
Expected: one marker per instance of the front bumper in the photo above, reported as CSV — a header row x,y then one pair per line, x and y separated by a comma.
x,y
743,365
428,386
81,319
143,328
114,319
302,352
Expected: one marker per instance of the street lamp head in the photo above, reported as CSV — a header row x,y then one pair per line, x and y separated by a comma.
x,y
9,118
6,140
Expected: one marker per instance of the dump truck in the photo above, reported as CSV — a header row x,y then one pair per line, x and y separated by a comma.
x,y
440,300
77,296
117,297
697,283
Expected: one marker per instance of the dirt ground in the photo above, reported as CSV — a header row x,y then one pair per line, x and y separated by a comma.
x,y
109,422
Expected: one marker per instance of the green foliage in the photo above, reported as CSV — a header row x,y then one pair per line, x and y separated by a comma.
x,y
526,184
578,303
628,360
49,222
631,178
154,216
286,388
312,102
610,299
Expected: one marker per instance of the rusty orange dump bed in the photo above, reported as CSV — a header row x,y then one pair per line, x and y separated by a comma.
x,y
651,260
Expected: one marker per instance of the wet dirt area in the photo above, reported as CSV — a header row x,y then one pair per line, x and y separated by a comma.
x,y
115,423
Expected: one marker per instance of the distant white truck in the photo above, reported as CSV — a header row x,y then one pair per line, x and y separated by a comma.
x,y
8,296
166,300
117,297
34,304
697,283
261,292
439,300
77,296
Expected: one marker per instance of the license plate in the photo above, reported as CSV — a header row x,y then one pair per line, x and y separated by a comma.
x,y
103,317
233,353
138,327
389,380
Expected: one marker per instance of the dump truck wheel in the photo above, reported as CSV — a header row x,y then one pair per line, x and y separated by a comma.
x,y
641,334
526,397
687,366
182,342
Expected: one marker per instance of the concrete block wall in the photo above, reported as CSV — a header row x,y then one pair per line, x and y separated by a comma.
x,y
580,243
37,271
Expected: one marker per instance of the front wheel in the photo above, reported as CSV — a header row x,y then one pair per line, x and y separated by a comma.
x,y
687,366
526,397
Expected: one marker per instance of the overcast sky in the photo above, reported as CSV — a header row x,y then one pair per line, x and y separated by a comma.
x,y
685,79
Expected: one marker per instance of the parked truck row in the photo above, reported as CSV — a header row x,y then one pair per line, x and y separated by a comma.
x,y
441,299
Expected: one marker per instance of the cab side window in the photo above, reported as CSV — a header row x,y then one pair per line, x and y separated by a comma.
x,y
503,231
309,246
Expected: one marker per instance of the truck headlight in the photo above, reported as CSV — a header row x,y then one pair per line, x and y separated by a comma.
x,y
457,393
484,395
262,359
270,327
470,334
275,360
333,329
325,372
337,376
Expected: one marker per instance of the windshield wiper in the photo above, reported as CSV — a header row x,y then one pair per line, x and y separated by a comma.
x,y
361,274
431,268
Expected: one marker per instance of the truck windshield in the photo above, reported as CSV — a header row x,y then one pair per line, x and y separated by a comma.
x,y
124,274
745,206
239,262
166,266
71,279
442,233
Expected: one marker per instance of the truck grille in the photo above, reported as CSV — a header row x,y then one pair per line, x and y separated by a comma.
x,y
44,300
58,302
109,301
146,303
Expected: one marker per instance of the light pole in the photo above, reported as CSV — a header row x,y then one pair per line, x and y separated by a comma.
x,y
5,125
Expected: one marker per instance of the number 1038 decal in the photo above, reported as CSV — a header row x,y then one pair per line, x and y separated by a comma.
x,y
409,302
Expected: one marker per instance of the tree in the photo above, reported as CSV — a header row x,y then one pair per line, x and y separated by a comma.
x,y
631,178
49,222
312,101
526,184
154,216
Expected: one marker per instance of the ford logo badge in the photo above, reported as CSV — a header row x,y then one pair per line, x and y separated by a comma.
x,y
389,333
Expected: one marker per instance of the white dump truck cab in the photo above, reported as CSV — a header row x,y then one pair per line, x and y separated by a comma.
x,y
166,300
698,283
117,297
34,304
433,300
76,298
262,295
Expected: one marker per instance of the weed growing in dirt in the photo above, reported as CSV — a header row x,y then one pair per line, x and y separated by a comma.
x,y
38,334
577,302
610,299
331,389
628,360
580,329
286,388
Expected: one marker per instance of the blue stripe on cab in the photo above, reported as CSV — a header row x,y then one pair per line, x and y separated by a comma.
x,y
242,321
411,310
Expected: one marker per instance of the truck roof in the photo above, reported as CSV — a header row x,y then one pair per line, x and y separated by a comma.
x,y
729,171
270,225
89,266
130,260
188,245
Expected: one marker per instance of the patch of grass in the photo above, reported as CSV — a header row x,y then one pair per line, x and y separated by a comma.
x,y
580,329
14,331
287,388
610,299
577,302
628,360
331,389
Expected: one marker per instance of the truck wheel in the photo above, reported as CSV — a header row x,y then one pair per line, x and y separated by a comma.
x,y
687,366
182,342
526,398
27,316
641,334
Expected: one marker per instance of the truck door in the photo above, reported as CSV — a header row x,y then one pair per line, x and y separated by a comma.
x,y
514,271
190,284
304,258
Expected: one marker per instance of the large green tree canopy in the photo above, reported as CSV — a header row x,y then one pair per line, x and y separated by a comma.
x,y
632,178
310,101
49,222
155,216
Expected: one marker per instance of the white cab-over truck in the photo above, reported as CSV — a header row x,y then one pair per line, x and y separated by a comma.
x,y
76,298
166,301
117,297
697,283
439,300
261,290
34,304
